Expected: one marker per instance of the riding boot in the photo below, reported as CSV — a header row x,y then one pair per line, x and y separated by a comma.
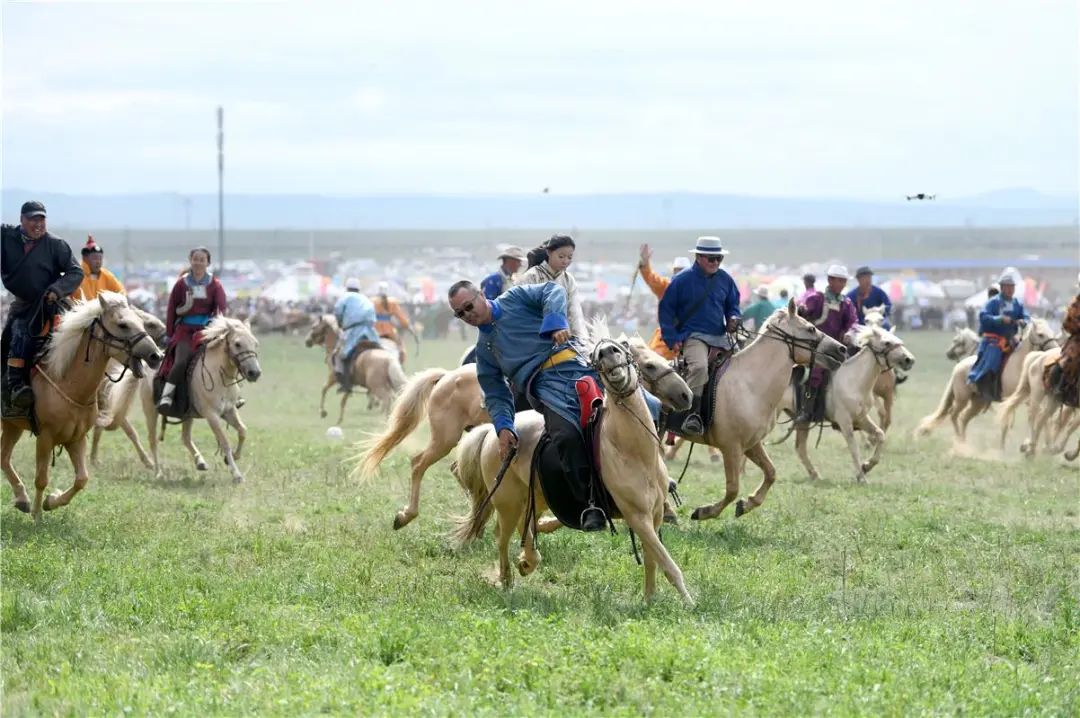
x,y
20,396
806,409
166,400
692,424
593,519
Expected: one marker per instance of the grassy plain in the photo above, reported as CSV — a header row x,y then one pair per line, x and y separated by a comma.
x,y
947,585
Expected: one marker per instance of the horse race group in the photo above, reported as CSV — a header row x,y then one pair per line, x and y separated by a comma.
x,y
547,411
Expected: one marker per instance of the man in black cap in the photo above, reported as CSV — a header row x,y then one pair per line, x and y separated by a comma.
x,y
40,270
868,295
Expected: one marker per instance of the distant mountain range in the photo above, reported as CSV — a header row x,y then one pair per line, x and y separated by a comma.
x,y
163,210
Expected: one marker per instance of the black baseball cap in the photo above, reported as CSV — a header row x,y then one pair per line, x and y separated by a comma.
x,y
864,270
33,208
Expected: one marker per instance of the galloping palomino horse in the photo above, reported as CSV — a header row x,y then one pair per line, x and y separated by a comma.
x,y
632,470
1041,407
226,356
65,391
885,386
377,370
849,396
453,402
115,397
961,402
965,343
749,394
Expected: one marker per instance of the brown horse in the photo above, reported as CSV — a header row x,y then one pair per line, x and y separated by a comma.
x,y
453,402
65,390
377,370
633,471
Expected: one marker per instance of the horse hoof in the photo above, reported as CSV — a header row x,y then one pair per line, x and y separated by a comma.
x,y
399,522
322,414
867,466
698,514
671,519
740,508
238,480
47,504
23,506
201,466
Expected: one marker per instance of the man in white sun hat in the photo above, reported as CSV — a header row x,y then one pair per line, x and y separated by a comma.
x,y
834,314
699,311
355,315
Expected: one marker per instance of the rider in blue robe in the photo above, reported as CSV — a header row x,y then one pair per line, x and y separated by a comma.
x,y
999,323
355,315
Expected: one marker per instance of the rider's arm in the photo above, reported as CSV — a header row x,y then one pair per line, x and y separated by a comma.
x,y
400,314
886,303
665,313
657,283
64,261
497,397
176,298
731,300
551,299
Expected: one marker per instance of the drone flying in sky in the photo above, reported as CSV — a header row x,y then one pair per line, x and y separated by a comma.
x,y
921,195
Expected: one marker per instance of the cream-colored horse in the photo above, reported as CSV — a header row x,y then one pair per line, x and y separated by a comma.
x,y
1042,406
453,401
227,356
377,370
961,403
750,393
885,386
965,343
116,396
65,391
632,467
849,396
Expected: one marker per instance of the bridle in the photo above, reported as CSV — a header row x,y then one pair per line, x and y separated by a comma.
x,y
630,363
882,355
112,341
776,333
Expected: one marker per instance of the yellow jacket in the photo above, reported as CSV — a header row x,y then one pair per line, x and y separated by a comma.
x,y
106,281
385,313
658,284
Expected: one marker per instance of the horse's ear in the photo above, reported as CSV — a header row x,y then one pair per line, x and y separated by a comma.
x,y
102,302
791,306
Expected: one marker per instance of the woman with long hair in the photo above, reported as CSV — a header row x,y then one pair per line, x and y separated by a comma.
x,y
549,263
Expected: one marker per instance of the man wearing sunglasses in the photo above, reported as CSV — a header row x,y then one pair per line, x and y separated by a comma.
x,y
525,341
699,310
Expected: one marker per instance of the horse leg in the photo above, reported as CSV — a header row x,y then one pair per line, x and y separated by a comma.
x,y
847,428
341,414
8,439
445,434
876,435
1045,411
801,436
196,455
672,450
232,416
885,410
974,408
94,444
150,413
77,453
731,490
1063,434
760,457
646,527
133,437
330,381
223,445
42,458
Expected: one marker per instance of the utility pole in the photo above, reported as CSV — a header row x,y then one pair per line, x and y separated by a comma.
x,y
221,187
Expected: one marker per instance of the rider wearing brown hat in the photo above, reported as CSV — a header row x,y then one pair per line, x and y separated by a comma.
x,y
96,278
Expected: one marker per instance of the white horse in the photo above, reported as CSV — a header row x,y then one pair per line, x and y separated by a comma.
x,y
227,356
1042,405
849,396
965,343
961,402
633,471
885,386
749,394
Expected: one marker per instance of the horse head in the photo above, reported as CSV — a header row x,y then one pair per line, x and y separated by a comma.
x,y
615,364
874,317
964,342
154,327
238,342
886,347
125,334
806,343
319,327
1040,335
654,371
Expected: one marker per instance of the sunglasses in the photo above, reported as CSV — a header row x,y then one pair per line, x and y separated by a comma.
x,y
466,308
711,259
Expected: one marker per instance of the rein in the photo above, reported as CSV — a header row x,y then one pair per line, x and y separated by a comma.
x,y
630,364
88,405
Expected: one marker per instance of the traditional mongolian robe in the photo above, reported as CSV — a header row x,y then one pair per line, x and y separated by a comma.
x,y
91,286
876,297
708,321
542,273
355,315
387,310
1069,361
998,338
759,312
496,283
658,284
834,315
192,304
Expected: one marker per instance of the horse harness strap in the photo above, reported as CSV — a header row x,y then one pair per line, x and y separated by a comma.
x,y
61,392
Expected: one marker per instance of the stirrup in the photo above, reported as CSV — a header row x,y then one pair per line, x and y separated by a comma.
x,y
593,508
697,428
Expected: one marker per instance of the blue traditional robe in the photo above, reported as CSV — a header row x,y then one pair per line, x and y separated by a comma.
x,y
355,315
876,298
493,284
997,336
514,345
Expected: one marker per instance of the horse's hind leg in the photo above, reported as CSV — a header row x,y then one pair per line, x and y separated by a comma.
x,y
223,444
8,439
731,488
341,414
445,434
330,381
129,430
94,444
232,416
801,436
196,455
77,453
42,459
974,408
760,457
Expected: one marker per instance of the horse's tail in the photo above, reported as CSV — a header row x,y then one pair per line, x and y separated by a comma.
x,y
397,376
468,468
1009,406
409,409
944,406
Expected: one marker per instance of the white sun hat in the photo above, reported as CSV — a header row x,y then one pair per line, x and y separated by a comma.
x,y
352,283
839,271
709,246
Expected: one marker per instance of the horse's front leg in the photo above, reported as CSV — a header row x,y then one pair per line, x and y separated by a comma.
x,y
9,437
42,458
341,414
848,430
94,444
232,416
760,457
185,437
732,456
133,437
646,528
223,444
330,381
801,435
77,453
876,435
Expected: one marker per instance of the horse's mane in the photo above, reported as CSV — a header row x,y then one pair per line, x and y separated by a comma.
x,y
65,340
967,332
219,327
330,320
598,329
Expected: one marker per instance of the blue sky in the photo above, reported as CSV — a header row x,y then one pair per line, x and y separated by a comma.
x,y
852,99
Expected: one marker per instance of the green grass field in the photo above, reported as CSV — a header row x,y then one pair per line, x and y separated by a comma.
x,y
947,585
